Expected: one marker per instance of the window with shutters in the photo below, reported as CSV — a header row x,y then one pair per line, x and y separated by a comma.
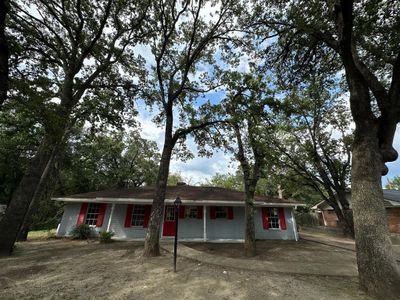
x,y
138,213
191,212
92,213
170,213
273,218
221,212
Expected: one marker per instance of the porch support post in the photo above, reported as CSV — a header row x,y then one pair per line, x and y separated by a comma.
x,y
323,217
110,218
204,223
296,235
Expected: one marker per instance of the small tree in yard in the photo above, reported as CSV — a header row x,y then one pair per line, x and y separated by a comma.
x,y
246,105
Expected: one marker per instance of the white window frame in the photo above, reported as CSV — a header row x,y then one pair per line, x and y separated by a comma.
x,y
92,214
135,214
274,216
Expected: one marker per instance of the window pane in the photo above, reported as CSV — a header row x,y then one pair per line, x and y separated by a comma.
x,y
191,212
170,213
273,217
92,213
138,215
221,212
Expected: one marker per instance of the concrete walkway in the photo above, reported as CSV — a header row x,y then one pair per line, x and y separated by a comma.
x,y
303,268
338,242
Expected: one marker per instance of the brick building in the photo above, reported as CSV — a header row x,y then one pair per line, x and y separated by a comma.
x,y
327,216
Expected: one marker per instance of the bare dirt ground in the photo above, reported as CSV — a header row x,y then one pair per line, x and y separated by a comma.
x,y
285,251
66,269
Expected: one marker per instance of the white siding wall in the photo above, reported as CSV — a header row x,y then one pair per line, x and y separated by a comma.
x,y
69,218
226,229
274,234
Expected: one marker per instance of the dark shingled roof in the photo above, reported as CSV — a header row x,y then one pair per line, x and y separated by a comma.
x,y
185,192
392,195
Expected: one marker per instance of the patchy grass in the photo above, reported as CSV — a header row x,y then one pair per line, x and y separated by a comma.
x,y
42,234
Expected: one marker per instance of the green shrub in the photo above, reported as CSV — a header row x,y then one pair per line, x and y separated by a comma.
x,y
105,236
81,232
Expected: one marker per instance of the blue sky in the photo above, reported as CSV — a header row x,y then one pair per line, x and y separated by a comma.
x,y
394,167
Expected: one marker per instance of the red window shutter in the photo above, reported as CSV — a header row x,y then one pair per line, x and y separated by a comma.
x,y
102,212
282,219
199,212
230,213
264,215
128,217
181,212
213,213
147,212
82,213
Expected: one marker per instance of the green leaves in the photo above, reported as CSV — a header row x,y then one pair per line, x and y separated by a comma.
x,y
394,183
108,160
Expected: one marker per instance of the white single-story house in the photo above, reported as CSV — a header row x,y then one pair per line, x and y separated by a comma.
x,y
206,214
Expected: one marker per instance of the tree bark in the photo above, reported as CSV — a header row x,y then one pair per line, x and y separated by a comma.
x,y
348,223
379,273
4,53
152,241
348,226
250,235
47,184
23,234
251,174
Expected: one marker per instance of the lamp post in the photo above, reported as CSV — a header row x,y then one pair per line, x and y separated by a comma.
x,y
177,204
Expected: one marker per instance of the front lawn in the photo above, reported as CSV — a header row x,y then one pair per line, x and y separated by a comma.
x,y
68,269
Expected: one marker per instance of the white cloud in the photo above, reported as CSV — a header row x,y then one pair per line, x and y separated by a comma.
x,y
199,169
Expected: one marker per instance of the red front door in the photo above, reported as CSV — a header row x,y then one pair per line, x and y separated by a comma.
x,y
169,221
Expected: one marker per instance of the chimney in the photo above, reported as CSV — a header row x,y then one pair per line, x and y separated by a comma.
x,y
280,192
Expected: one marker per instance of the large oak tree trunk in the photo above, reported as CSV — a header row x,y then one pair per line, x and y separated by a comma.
x,y
345,218
378,270
152,242
348,224
250,236
47,185
26,194
347,213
